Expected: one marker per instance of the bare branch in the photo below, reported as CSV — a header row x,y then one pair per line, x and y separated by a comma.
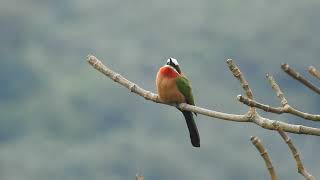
x,y
243,82
295,153
313,71
263,152
285,107
296,75
260,121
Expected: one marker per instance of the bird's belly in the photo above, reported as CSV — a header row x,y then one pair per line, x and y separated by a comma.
x,y
168,91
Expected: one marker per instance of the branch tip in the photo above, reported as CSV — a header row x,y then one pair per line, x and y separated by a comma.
x,y
93,60
264,154
285,66
229,61
90,57
254,139
297,76
313,71
311,68
267,75
251,138
239,96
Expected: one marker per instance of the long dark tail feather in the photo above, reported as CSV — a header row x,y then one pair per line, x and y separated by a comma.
x,y
193,130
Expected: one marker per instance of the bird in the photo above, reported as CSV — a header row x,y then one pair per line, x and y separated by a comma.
x,y
173,87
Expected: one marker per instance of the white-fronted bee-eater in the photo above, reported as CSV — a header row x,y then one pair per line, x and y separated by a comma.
x,y
174,87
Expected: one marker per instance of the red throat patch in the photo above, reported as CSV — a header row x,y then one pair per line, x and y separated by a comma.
x,y
166,71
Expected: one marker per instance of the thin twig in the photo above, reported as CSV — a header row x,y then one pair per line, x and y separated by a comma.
x,y
296,75
295,153
285,107
277,90
313,71
253,103
263,152
235,70
260,121
278,110
138,177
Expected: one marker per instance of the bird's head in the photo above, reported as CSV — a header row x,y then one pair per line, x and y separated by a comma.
x,y
173,63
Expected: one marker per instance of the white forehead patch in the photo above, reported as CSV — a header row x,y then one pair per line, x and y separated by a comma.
x,y
174,61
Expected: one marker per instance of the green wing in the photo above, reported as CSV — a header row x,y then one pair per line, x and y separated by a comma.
x,y
185,88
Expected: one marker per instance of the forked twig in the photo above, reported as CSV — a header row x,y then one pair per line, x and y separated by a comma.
x,y
294,152
284,108
263,152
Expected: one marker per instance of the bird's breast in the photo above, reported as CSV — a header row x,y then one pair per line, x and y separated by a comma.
x,y
167,89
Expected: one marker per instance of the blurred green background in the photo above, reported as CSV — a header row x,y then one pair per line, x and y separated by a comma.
x,y
61,119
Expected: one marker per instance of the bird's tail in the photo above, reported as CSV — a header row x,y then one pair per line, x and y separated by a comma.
x,y
193,130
